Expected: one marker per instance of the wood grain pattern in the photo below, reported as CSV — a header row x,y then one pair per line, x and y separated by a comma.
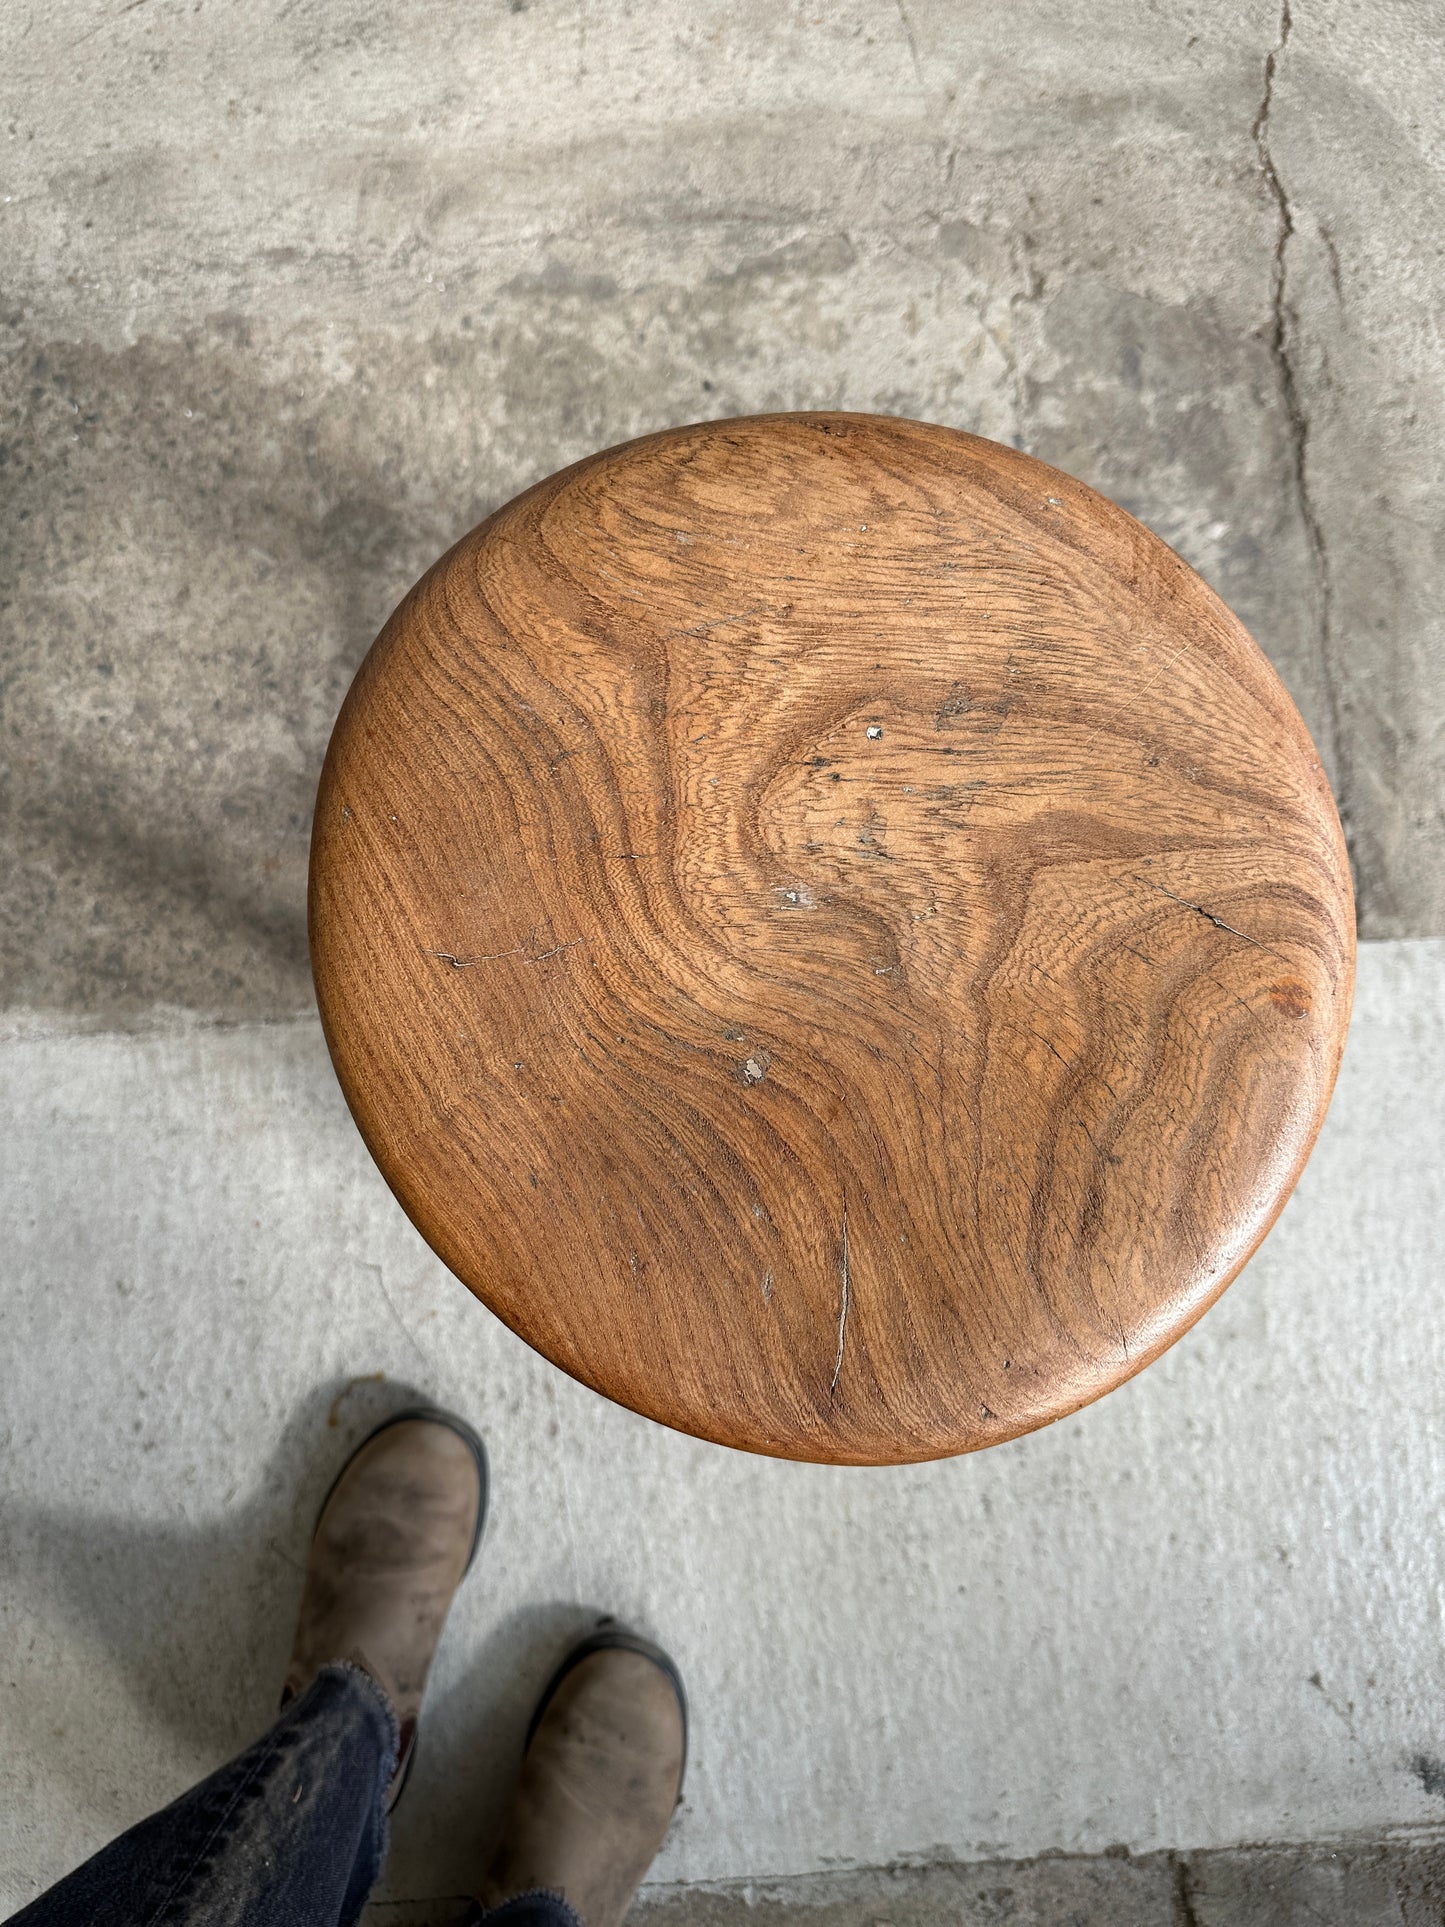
x,y
832,931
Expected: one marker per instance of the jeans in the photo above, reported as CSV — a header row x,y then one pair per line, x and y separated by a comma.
x,y
292,1833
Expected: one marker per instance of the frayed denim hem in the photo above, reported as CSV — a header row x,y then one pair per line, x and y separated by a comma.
x,y
393,1743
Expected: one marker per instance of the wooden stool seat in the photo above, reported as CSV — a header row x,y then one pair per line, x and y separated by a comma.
x,y
832,931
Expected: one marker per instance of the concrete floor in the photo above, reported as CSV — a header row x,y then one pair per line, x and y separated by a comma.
x,y
1363,1886
293,294
1205,1611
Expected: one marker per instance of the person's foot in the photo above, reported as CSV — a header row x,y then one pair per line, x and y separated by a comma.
x,y
397,1532
600,1778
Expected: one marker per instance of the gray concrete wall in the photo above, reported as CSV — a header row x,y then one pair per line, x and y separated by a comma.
x,y
294,293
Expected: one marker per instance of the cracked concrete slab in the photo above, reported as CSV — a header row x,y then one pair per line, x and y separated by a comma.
x,y
1401,1884
292,299
1099,1892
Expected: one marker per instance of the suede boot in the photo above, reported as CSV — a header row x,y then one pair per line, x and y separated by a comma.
x,y
397,1532
600,1779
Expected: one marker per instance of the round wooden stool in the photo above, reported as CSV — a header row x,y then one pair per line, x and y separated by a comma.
x,y
832,931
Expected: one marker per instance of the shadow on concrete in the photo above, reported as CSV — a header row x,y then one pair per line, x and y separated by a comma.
x,y
199,552
222,932
195,1621
470,1748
